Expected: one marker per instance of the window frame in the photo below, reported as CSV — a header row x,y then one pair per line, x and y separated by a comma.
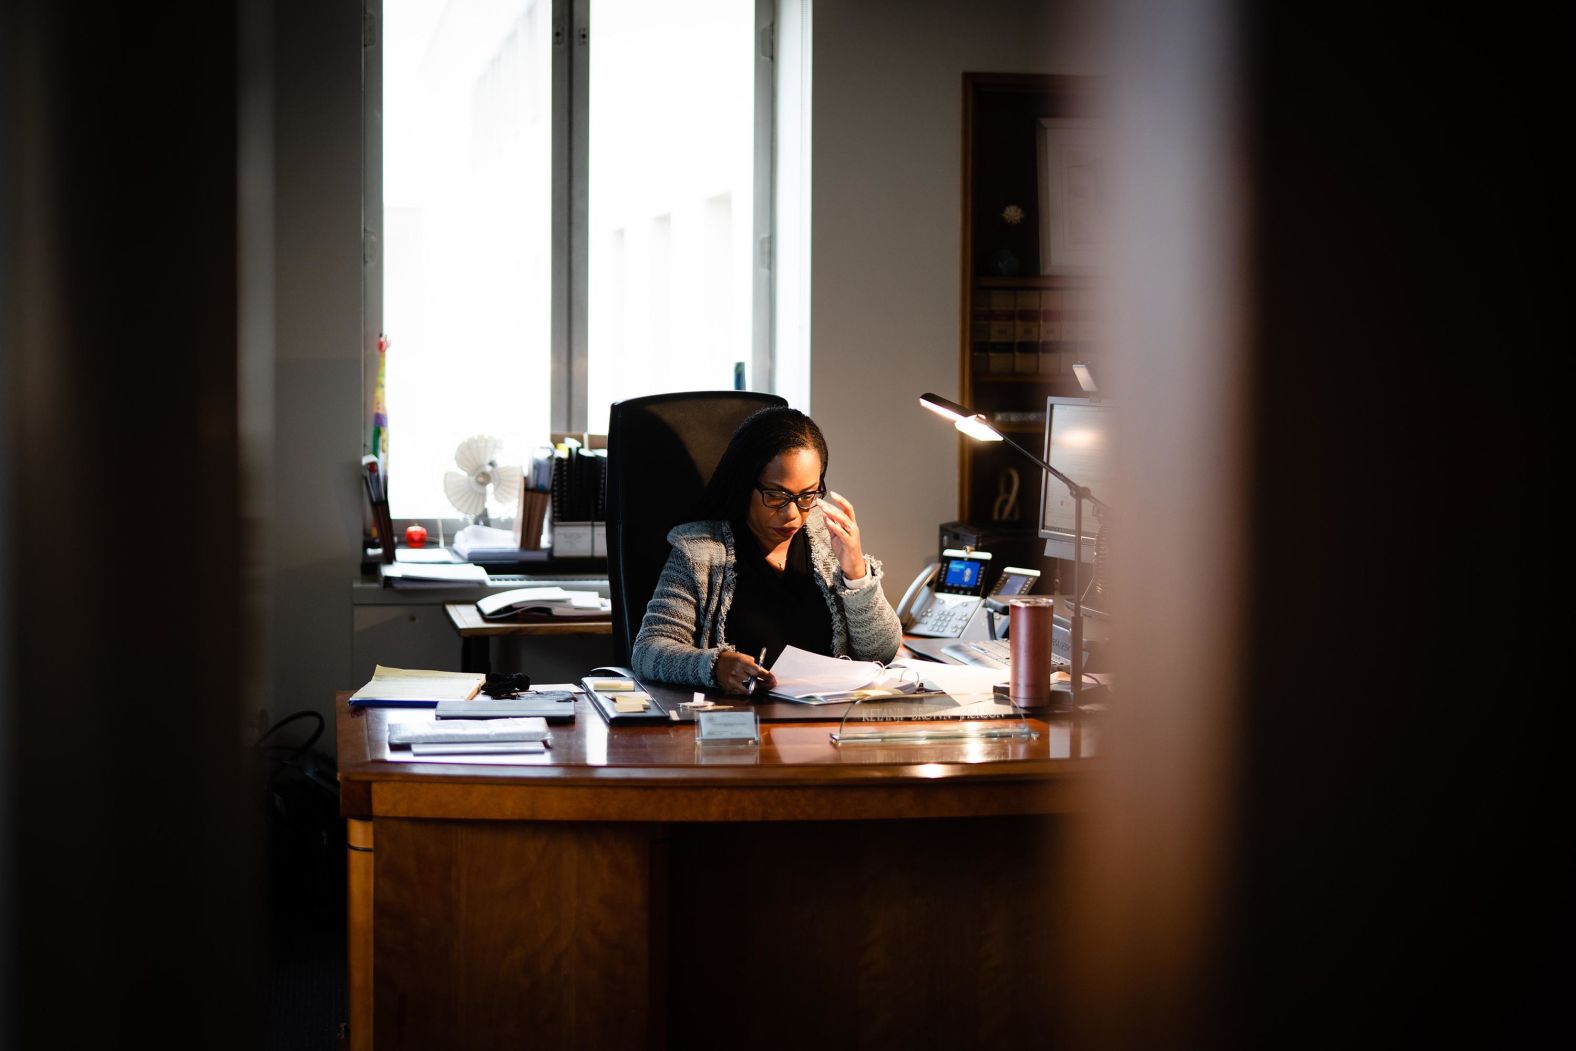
x,y
568,353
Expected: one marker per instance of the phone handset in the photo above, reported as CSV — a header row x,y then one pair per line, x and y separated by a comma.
x,y
918,596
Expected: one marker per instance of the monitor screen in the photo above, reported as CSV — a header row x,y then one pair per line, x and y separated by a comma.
x,y
1077,443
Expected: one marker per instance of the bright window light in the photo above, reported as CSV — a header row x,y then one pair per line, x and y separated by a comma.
x,y
671,216
466,251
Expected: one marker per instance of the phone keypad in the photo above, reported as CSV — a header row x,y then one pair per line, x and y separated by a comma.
x,y
947,616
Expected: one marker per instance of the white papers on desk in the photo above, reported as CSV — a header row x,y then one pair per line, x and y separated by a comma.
x,y
962,681
422,751
415,574
475,538
814,678
970,686
461,731
558,704
425,555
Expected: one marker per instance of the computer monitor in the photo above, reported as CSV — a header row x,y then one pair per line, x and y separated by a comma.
x,y
1078,443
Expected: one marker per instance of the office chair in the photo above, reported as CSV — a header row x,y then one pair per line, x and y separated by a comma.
x,y
661,451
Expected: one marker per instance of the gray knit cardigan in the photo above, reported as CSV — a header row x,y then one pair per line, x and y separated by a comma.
x,y
683,631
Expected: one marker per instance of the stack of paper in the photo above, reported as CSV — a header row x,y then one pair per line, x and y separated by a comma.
x,y
472,731
417,574
471,737
425,555
399,688
485,542
557,705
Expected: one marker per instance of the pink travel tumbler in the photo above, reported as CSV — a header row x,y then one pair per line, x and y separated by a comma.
x,y
1029,622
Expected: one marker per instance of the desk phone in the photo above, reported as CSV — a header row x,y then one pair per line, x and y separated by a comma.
x,y
946,595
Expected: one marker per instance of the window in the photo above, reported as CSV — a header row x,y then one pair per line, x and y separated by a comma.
x,y
568,204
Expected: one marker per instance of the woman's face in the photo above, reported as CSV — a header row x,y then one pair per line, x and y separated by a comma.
x,y
795,471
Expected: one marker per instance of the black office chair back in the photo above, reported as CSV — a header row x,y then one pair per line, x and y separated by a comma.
x,y
661,451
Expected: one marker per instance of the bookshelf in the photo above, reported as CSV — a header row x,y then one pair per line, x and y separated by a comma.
x,y
1022,328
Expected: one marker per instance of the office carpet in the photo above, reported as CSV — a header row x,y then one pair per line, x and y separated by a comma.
x,y
305,988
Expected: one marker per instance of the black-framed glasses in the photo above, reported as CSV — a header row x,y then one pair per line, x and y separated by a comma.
x,y
777,499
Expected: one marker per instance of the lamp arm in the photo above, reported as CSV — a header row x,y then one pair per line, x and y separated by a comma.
x,y
1078,492
1076,622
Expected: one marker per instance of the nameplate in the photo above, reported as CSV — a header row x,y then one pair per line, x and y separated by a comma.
x,y
731,727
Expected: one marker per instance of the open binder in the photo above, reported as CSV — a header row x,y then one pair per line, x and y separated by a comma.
x,y
811,678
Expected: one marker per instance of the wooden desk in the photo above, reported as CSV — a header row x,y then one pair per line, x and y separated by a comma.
x,y
475,632
605,894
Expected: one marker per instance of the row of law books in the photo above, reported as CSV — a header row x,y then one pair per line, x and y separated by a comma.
x,y
1030,331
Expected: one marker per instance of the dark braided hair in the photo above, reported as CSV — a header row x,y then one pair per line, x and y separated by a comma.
x,y
762,437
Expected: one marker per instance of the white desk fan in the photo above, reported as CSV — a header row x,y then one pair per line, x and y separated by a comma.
x,y
481,479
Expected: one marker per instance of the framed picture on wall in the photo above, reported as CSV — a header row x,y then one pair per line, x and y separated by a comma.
x,y
1071,196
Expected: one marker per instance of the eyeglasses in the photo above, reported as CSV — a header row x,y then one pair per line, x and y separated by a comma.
x,y
777,499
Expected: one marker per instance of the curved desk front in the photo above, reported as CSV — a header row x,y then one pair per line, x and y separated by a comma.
x,y
630,888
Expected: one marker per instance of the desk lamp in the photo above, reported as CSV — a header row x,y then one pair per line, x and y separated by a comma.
x,y
976,426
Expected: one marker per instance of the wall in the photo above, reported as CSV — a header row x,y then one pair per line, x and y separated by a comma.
x,y
886,240
128,845
316,521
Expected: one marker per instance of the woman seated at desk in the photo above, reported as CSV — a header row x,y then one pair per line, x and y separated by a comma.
x,y
776,561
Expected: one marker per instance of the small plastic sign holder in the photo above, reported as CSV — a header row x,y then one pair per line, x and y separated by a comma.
x,y
733,728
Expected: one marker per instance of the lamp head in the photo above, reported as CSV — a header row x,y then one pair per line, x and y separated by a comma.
x,y
964,419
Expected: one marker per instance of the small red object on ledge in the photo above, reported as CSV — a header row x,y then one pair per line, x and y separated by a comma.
x,y
416,535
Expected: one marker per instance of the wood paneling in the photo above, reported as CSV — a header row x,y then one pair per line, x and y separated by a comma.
x,y
359,873
502,934
910,934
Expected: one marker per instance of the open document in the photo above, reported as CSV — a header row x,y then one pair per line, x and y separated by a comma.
x,y
810,678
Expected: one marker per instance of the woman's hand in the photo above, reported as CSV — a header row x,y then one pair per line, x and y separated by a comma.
x,y
845,536
734,669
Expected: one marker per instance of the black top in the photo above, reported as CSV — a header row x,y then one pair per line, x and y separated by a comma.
x,y
774,609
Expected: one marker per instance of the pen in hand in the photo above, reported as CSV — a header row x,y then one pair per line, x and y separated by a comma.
x,y
749,684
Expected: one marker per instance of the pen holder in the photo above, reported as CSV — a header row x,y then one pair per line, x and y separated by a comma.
x,y
1029,627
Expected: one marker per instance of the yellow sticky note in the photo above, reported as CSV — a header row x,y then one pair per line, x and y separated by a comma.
x,y
630,702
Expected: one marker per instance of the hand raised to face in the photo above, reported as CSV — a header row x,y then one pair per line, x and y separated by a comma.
x,y
843,526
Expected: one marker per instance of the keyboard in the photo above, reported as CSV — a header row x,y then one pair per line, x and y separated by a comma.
x,y
987,653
